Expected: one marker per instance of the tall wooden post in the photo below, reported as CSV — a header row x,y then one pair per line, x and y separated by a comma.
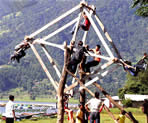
x,y
60,91
82,82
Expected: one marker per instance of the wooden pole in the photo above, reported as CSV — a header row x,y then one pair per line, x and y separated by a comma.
x,y
71,87
110,114
55,21
51,61
76,28
60,29
41,41
60,91
108,36
43,66
112,101
99,35
99,56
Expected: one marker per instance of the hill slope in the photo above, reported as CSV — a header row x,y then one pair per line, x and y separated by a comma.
x,y
19,18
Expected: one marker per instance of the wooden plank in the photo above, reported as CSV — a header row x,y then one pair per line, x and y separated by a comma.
x,y
107,36
99,35
41,41
76,28
51,61
99,56
112,101
43,66
71,87
60,29
55,20
110,114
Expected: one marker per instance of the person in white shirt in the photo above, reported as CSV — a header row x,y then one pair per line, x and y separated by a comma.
x,y
93,106
9,110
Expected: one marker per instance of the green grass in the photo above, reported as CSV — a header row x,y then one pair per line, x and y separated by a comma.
x,y
105,118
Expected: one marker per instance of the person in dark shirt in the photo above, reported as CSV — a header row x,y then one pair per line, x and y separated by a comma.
x,y
77,57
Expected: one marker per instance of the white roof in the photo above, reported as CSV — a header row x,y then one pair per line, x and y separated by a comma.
x,y
114,98
135,97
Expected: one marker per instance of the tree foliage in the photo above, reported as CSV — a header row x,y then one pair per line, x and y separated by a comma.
x,y
142,9
135,85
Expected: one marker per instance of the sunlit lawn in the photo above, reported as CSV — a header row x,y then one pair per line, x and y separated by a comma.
x,y
104,119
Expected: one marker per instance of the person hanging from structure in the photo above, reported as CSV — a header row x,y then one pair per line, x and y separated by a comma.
x,y
121,117
84,26
67,110
20,49
141,65
95,61
77,57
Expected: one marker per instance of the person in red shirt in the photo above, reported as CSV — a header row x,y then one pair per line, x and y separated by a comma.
x,y
85,26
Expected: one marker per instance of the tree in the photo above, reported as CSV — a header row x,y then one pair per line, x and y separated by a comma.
x,y
135,85
142,10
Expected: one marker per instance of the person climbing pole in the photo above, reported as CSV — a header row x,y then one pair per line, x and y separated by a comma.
x,y
95,61
84,26
77,57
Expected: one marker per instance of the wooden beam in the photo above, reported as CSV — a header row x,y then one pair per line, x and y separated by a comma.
x,y
98,70
76,28
110,114
107,36
99,35
70,87
41,41
60,29
112,101
43,66
55,20
51,61
98,78
99,56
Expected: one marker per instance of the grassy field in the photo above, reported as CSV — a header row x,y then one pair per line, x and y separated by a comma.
x,y
104,117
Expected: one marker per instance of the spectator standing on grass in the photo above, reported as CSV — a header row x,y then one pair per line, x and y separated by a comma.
x,y
9,111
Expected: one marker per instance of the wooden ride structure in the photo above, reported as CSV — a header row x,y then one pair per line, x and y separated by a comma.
x,y
61,87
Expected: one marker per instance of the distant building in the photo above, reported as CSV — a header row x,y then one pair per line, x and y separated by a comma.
x,y
137,100
109,104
